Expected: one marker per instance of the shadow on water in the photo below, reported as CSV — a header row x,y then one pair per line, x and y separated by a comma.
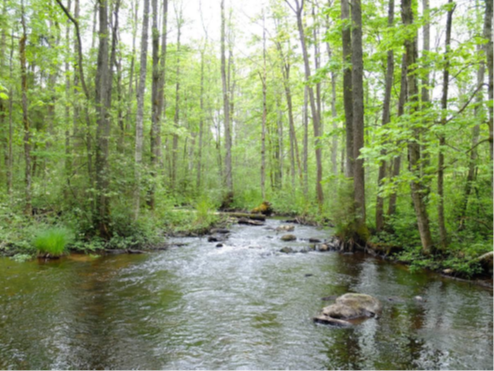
x,y
244,306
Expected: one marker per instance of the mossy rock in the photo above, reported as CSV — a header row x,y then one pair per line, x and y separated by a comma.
x,y
349,307
264,208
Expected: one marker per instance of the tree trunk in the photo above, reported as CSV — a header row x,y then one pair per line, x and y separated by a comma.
x,y
176,118
490,57
442,138
312,101
401,109
347,84
25,115
294,152
68,159
358,111
226,109
161,89
416,184
201,123
264,112
385,120
155,134
103,125
140,108
305,155
473,153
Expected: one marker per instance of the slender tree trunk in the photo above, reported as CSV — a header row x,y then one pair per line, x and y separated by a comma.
x,y
226,109
201,123
385,120
11,126
25,115
312,101
490,57
161,89
155,117
264,112
473,153
347,84
176,118
401,109
294,151
443,237
140,108
103,124
416,185
425,163
305,155
358,111
68,159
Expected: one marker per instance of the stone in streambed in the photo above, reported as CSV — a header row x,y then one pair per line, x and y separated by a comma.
x,y
288,237
349,307
285,228
287,250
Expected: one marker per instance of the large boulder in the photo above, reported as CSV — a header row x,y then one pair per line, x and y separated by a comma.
x,y
348,307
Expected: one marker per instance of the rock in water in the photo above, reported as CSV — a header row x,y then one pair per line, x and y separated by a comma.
x,y
288,237
285,228
350,306
287,250
264,208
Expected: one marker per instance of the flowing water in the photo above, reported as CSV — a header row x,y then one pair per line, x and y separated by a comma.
x,y
242,306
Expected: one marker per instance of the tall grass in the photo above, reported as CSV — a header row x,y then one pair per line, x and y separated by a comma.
x,y
52,241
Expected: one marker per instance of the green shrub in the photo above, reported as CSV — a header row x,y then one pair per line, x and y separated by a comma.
x,y
52,241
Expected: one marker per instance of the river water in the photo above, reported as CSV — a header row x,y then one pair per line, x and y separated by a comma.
x,y
242,306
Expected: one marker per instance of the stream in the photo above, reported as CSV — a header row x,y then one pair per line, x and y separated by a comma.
x,y
242,306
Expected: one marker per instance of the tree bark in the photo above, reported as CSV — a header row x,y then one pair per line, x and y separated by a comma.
x,y
385,120
294,151
417,188
401,109
490,57
226,109
264,112
347,84
103,125
140,108
25,115
442,138
299,8
176,118
358,111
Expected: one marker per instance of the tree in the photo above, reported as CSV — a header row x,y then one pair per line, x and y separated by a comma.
x,y
226,111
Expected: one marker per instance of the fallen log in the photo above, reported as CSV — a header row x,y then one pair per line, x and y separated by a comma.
x,y
244,215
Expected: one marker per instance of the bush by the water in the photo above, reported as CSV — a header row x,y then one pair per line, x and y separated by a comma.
x,y
52,241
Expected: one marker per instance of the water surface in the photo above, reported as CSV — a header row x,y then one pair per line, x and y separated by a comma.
x,y
242,306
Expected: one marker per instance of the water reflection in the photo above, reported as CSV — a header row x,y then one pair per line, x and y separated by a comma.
x,y
199,307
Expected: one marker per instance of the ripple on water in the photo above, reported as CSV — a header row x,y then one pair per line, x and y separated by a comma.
x,y
242,306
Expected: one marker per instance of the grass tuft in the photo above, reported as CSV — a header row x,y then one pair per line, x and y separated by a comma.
x,y
52,241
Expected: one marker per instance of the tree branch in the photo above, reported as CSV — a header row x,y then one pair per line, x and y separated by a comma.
x,y
79,50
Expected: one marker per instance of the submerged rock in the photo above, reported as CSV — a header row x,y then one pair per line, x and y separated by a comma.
x,y
219,230
314,240
323,247
349,307
219,245
287,250
288,237
216,238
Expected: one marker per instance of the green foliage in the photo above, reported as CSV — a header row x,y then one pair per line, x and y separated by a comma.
x,y
52,241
